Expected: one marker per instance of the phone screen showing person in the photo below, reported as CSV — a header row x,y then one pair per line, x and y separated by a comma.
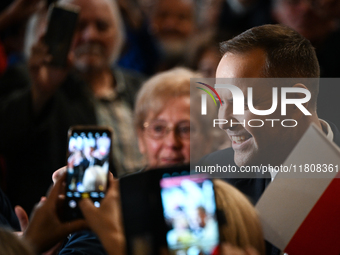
x,y
88,165
189,210
61,26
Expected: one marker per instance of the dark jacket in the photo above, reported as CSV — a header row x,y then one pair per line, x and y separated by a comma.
x,y
35,146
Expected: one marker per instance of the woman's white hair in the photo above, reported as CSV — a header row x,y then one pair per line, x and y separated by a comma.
x,y
33,28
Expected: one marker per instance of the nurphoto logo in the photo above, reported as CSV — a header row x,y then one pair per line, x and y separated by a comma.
x,y
238,103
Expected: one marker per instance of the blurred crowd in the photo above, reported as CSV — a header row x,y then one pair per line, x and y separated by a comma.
x,y
129,67
115,48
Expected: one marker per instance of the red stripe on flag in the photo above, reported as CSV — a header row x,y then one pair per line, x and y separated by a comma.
x,y
319,233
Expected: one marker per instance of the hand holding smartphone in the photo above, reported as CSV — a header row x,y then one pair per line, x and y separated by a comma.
x,y
88,166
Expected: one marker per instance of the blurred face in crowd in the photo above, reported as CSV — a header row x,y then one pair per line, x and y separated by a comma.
x,y
304,18
208,62
253,145
95,35
210,14
165,138
173,22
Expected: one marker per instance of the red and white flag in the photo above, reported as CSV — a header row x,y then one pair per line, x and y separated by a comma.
x,y
300,209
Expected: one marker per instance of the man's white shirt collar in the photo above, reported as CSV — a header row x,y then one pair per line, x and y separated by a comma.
x,y
330,134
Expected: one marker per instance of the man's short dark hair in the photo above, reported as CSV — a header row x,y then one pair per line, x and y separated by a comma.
x,y
289,54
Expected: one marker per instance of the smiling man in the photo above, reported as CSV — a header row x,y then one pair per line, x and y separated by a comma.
x,y
261,55
261,139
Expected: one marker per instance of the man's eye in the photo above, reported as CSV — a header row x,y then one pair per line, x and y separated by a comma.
x,y
217,100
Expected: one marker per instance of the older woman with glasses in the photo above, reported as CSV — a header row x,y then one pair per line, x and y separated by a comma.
x,y
162,119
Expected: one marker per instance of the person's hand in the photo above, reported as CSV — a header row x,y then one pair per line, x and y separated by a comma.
x,y
58,173
46,79
18,11
22,9
45,229
106,221
227,249
24,221
22,217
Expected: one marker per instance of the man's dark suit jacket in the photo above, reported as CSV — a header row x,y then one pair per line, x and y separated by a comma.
x,y
251,187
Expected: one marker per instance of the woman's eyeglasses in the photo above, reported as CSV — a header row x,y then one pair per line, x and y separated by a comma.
x,y
158,129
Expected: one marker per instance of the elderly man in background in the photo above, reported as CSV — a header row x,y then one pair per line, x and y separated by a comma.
x,y
34,123
173,23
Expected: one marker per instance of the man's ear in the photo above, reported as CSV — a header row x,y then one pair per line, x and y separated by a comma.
x,y
296,112
141,145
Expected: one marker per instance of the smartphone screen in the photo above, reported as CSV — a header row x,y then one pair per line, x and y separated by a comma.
x,y
61,25
88,165
189,210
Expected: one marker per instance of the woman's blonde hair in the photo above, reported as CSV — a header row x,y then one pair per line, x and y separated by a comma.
x,y
10,244
159,90
242,228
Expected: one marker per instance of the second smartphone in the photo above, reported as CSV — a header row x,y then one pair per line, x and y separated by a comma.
x,y
88,166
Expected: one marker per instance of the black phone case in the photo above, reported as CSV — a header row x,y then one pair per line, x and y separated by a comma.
x,y
60,30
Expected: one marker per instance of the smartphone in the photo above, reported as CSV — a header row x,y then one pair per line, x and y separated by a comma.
x,y
88,165
168,198
189,211
62,22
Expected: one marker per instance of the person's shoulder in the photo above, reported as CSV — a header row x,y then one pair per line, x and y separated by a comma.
x,y
128,83
221,157
83,242
128,77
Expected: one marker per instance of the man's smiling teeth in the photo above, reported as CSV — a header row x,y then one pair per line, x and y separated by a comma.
x,y
238,138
